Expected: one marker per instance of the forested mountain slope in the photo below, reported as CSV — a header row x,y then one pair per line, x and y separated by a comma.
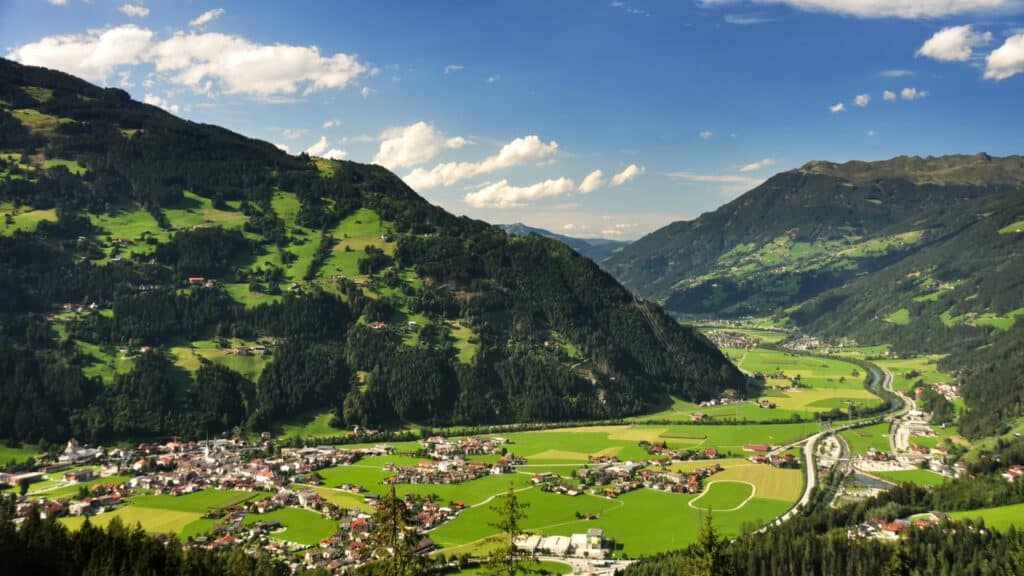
x,y
808,230
160,276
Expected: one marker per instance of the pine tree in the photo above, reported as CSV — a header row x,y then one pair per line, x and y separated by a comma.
x,y
394,537
709,555
509,560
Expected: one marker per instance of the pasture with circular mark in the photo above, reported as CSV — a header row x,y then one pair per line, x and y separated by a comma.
x,y
724,495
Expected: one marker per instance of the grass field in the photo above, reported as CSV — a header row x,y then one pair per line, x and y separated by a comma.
x,y
201,501
152,520
900,317
301,526
999,518
907,371
353,234
919,477
196,210
310,426
758,334
812,371
722,495
71,490
8,454
861,439
545,567
106,363
21,219
641,522
191,357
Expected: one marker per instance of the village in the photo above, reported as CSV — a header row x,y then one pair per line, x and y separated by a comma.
x,y
287,479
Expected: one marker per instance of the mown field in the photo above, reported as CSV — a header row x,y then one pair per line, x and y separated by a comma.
x,y
998,518
862,439
908,371
919,477
19,454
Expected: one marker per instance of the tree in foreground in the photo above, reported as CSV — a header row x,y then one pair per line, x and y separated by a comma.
x,y
394,538
708,555
508,559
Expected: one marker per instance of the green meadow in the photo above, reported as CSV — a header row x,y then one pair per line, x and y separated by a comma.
x,y
919,477
862,439
998,518
301,526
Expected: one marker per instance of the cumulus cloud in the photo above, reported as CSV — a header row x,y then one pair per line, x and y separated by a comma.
x,y
896,73
240,66
754,166
58,2
837,107
519,151
911,9
954,44
912,94
862,100
331,123
318,147
407,146
705,134
93,55
206,17
134,10
889,96
592,182
629,173
335,154
503,195
1007,60
207,62
453,68
155,100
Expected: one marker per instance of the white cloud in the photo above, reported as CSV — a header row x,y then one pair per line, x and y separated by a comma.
x,y
862,100
837,107
896,73
207,62
889,96
93,55
1007,60
519,151
244,67
58,2
714,178
134,10
592,182
611,232
629,173
292,133
754,166
746,19
331,123
366,91
453,68
911,9
493,79
283,147
335,154
318,147
912,94
160,102
954,44
705,134
629,8
501,195
407,146
206,17
871,133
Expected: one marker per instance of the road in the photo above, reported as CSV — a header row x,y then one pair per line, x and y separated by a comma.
x,y
810,447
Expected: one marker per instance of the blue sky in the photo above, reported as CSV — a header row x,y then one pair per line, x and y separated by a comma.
x,y
505,110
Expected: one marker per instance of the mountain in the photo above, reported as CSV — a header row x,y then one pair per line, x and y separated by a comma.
x,y
597,249
160,276
924,254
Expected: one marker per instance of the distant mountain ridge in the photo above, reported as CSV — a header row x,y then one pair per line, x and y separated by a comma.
x,y
597,249
924,254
